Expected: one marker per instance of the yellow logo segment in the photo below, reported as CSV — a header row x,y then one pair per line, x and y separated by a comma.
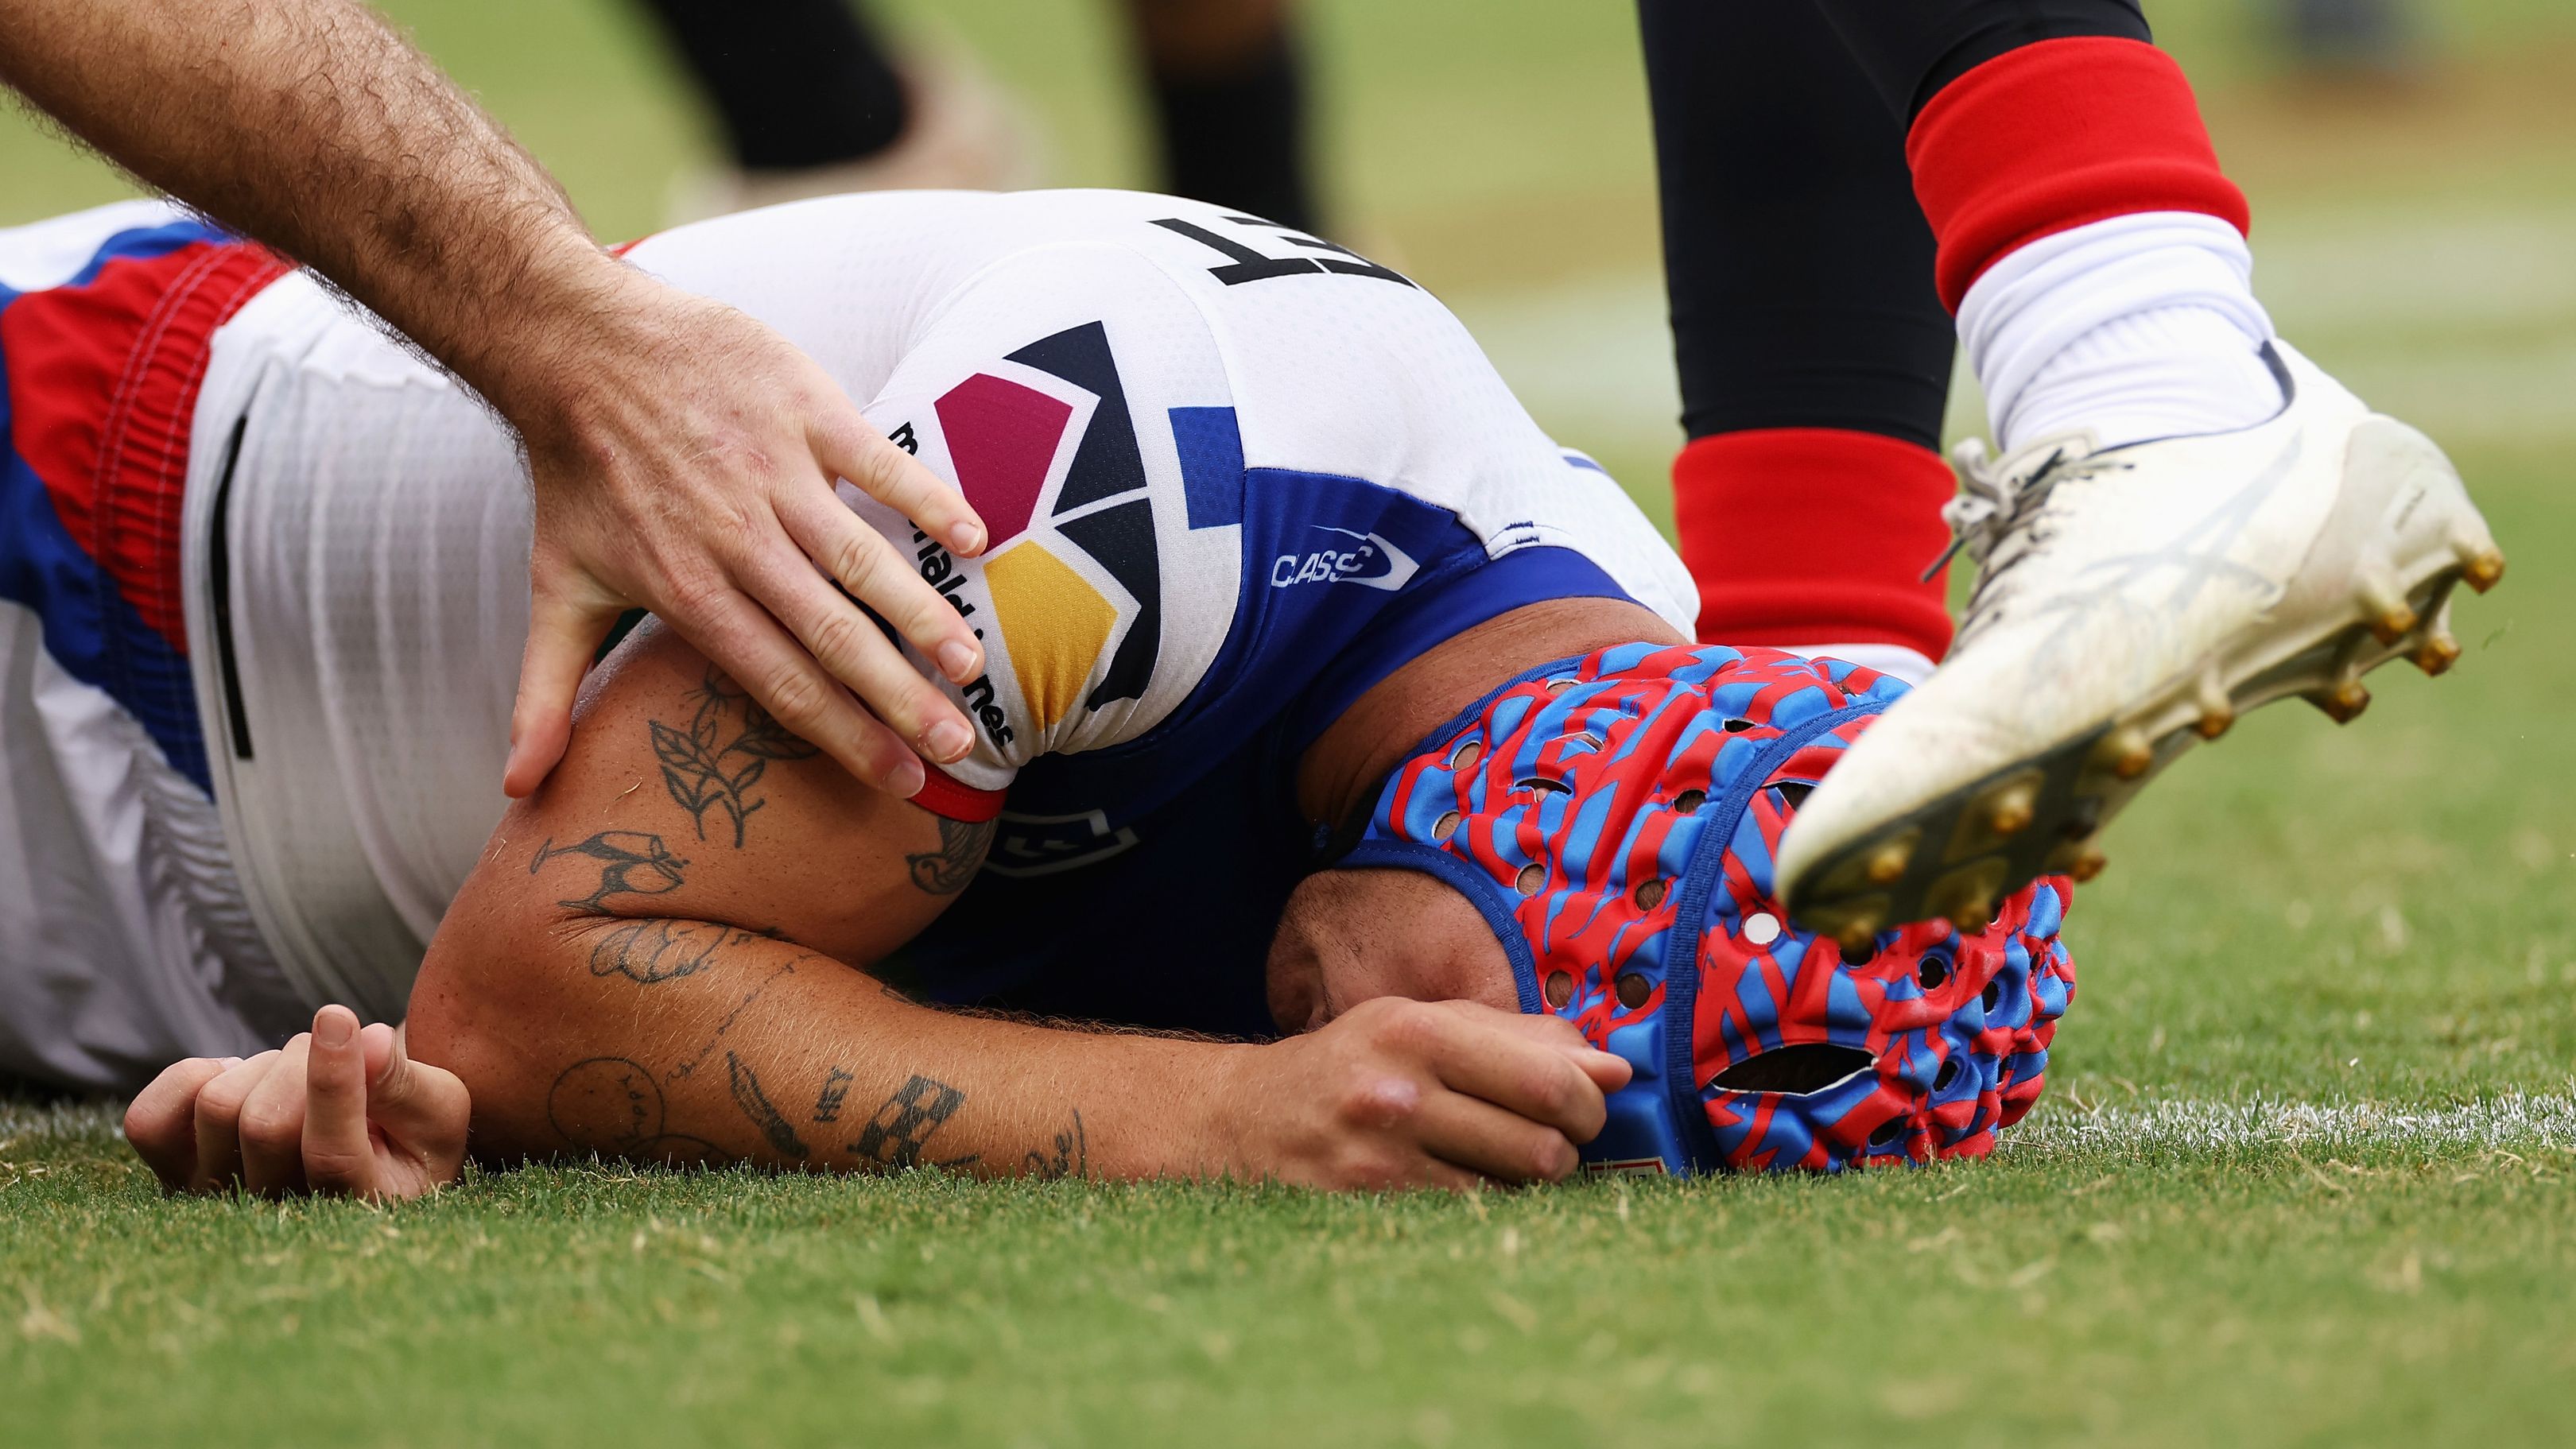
x,y
1054,625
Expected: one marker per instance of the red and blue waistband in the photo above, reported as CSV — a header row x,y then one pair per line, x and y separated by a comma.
x,y
97,418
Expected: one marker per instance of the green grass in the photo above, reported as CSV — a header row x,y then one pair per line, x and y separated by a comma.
x,y
2307,1173
2109,1296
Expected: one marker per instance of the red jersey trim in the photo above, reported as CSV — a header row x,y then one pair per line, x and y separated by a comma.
x,y
103,381
944,795
2053,136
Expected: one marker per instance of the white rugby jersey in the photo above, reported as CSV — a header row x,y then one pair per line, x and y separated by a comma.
x,y
1232,474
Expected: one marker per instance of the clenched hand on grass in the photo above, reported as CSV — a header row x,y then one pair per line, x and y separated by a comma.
x,y
340,1110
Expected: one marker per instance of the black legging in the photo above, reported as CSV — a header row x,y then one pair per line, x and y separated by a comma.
x,y
800,83
1798,264
795,83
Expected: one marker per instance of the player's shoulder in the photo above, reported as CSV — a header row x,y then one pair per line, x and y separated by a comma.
x,y
1057,393
1202,488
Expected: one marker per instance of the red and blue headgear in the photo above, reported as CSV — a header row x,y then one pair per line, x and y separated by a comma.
x,y
1615,817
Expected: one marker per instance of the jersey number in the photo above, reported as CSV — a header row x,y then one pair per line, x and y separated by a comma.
x,y
1247,265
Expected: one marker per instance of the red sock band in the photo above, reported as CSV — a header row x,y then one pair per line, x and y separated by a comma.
x,y
1814,536
2055,135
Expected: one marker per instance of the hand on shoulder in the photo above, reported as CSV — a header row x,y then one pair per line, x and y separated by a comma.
x,y
684,457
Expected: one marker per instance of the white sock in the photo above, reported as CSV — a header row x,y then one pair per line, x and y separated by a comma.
x,y
2138,327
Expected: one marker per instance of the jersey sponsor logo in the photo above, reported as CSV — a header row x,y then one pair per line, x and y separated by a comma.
x,y
979,699
1008,441
1047,844
1374,563
939,570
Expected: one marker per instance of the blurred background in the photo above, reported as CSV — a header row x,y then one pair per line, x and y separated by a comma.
x,y
2412,165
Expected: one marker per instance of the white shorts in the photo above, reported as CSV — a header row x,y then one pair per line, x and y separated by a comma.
x,y
125,941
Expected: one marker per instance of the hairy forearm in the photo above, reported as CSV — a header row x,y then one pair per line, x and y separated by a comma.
x,y
671,1040
313,126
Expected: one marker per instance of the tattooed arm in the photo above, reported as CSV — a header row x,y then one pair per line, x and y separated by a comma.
x,y
655,959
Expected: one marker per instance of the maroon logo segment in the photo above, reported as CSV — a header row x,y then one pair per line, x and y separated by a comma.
x,y
1002,437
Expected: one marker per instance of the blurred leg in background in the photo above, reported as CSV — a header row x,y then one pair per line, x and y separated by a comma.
x,y
813,102
796,84
1228,84
2362,39
1814,353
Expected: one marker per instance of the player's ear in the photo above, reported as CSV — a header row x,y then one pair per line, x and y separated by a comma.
x,y
1348,936
1295,984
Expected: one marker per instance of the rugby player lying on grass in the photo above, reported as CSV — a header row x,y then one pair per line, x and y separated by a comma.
x,y
1265,524
1580,856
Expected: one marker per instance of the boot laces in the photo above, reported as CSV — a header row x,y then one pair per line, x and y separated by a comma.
x,y
1996,517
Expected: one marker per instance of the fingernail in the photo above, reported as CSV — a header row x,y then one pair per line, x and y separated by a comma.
x,y
957,661
905,780
969,539
229,1063
333,1031
947,740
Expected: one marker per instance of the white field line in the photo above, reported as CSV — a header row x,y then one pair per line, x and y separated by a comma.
x,y
72,1119
2509,1120
2188,1126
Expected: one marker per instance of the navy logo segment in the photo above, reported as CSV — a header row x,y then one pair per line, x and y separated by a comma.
x,y
1121,538
1107,463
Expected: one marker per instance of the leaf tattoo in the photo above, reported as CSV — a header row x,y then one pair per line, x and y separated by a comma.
x,y
836,1090
655,950
700,768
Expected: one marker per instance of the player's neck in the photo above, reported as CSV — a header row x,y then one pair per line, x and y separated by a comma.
x,y
1374,734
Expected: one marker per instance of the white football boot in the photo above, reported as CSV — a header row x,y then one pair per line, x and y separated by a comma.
x,y
2133,601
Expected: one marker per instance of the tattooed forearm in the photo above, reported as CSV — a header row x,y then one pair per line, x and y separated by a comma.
x,y
1071,1157
631,863
945,871
615,1105
706,772
905,1121
755,1105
